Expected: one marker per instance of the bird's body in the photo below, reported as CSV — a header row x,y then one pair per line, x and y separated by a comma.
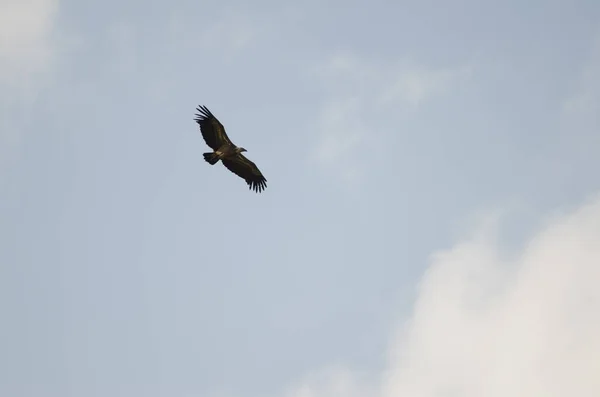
x,y
227,150
230,155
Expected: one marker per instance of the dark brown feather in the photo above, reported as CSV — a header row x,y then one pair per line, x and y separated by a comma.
x,y
212,130
247,170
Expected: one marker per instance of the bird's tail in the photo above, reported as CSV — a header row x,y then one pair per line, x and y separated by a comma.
x,y
211,158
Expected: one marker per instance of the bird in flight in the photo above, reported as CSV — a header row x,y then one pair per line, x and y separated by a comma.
x,y
230,155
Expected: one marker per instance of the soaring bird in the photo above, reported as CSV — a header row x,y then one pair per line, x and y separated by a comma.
x,y
230,155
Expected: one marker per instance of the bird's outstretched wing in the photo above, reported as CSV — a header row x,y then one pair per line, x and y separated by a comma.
x,y
212,130
247,170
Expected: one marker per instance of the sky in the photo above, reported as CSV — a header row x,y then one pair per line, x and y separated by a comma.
x,y
430,226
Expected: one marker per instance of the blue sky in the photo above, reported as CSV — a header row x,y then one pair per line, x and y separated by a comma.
x,y
428,228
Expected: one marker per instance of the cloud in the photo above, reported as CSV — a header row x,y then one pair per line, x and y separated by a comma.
x,y
332,382
27,53
402,81
225,33
358,92
413,86
234,31
341,129
484,325
26,38
584,103
123,40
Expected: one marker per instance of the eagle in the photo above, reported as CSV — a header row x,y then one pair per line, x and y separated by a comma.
x,y
230,155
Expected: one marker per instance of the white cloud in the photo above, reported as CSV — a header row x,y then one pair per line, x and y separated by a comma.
x,y
583,106
588,87
225,33
403,82
122,38
359,93
341,129
577,137
486,326
27,53
413,86
26,34
234,31
332,382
